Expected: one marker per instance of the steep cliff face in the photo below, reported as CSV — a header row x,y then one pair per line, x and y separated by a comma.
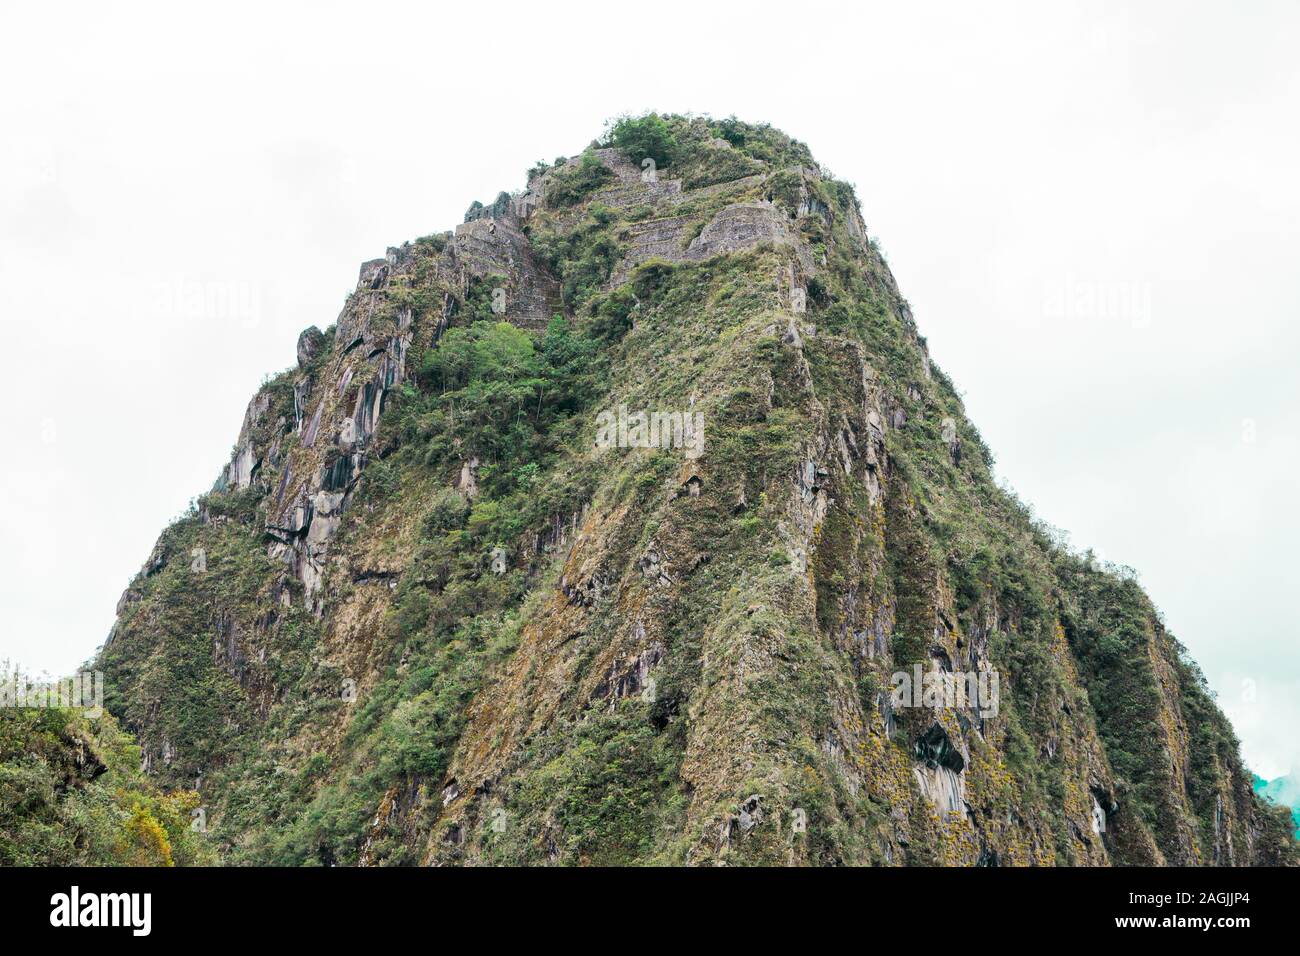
x,y
429,615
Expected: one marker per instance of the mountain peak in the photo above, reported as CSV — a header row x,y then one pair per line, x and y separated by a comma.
x,y
630,521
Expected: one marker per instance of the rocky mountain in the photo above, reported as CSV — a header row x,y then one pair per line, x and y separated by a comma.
x,y
608,528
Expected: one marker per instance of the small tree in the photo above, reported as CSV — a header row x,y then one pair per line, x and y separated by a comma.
x,y
643,136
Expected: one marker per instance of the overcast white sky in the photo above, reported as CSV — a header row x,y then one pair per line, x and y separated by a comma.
x,y
1092,209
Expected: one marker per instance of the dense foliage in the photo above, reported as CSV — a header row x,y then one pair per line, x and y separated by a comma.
x,y
72,794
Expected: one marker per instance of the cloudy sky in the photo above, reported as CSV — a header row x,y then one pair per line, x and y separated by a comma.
x,y
1093,211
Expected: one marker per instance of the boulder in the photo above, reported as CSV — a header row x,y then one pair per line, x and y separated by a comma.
x,y
309,345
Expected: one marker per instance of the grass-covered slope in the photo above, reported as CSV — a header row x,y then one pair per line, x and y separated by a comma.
x,y
425,617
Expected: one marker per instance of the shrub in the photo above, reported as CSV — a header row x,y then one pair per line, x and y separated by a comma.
x,y
644,136
570,183
584,258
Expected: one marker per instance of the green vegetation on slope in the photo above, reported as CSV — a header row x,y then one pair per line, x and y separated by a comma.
x,y
72,794
843,523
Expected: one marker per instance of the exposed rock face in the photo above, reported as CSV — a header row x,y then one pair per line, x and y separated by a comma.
x,y
309,345
494,247
462,635
736,227
740,226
